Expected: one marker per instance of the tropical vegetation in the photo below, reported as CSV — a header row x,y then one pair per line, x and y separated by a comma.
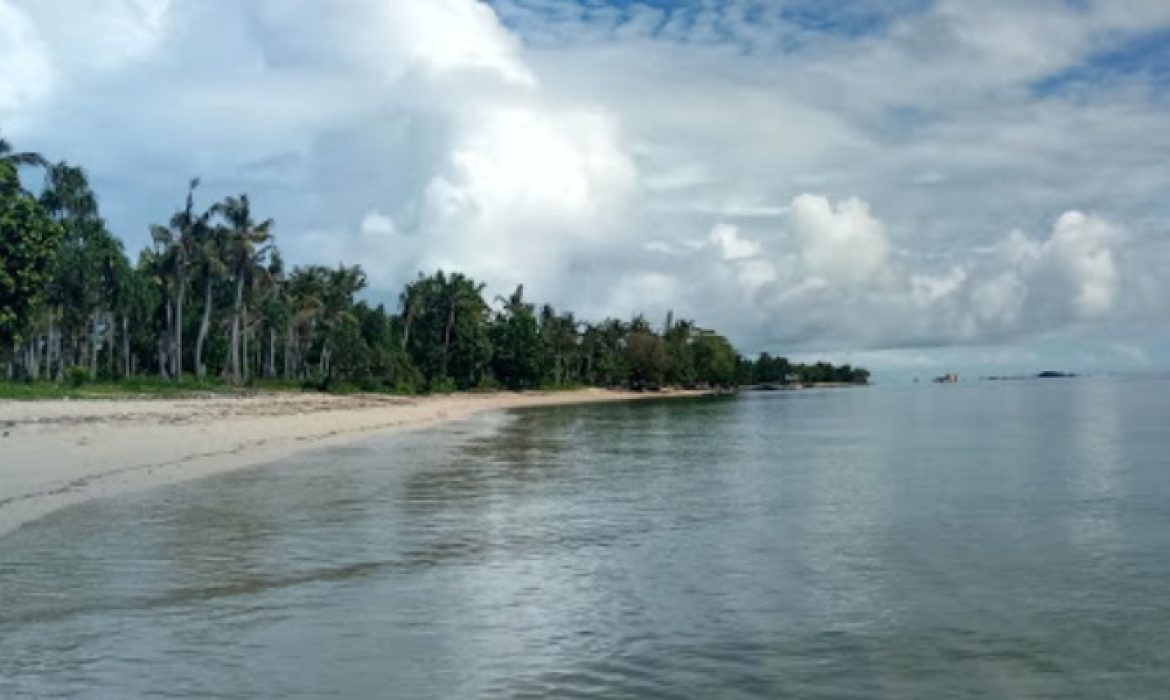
x,y
778,371
211,302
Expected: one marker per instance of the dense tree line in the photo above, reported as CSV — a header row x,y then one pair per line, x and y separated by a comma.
x,y
770,370
212,298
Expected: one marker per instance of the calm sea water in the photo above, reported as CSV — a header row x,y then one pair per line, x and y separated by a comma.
x,y
1007,540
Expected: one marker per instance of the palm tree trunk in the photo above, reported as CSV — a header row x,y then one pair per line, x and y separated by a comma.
x,y
234,348
244,341
406,324
204,326
447,338
270,369
58,362
32,362
165,351
126,369
49,348
93,345
178,345
289,342
111,354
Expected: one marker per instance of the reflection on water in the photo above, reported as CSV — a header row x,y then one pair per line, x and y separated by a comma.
x,y
1005,540
1096,470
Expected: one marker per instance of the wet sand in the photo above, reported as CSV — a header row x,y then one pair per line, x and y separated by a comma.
x,y
58,453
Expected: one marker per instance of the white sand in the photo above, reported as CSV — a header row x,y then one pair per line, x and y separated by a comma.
x,y
57,453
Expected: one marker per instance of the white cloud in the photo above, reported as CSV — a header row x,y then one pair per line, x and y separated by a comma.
x,y
375,223
733,247
523,190
1080,246
843,245
26,75
728,162
836,275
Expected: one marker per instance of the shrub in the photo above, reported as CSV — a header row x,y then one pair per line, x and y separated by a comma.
x,y
76,376
442,385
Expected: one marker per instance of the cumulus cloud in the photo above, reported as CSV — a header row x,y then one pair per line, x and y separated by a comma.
x,y
835,275
794,184
842,245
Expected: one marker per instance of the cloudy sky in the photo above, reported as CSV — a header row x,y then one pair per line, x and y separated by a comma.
x,y
912,185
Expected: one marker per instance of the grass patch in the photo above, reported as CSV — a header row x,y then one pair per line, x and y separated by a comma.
x,y
154,387
135,387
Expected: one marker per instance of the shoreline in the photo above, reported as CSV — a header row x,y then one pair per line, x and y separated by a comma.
x,y
58,453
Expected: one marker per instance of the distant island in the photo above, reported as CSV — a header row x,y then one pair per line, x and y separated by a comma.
x,y
1047,374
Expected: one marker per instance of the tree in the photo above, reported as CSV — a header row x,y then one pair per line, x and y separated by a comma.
x,y
679,337
209,250
18,159
716,362
646,355
387,364
466,349
180,247
561,345
83,291
29,242
11,162
518,361
340,331
247,246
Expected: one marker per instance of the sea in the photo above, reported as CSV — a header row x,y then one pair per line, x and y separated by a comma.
x,y
980,540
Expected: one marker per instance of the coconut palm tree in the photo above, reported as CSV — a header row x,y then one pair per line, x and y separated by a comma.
x,y
210,268
247,246
460,295
11,162
19,159
179,246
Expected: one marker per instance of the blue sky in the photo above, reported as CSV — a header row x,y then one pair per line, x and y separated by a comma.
x,y
845,19
917,186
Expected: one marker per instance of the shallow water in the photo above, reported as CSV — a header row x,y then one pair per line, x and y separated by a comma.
x,y
1007,540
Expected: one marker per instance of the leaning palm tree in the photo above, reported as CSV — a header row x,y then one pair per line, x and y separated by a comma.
x,y
179,245
8,155
210,267
248,244
413,301
11,162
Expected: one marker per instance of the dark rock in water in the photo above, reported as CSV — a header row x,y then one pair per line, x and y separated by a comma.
x,y
1055,375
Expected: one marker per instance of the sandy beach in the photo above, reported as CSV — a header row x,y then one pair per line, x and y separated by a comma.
x,y
58,453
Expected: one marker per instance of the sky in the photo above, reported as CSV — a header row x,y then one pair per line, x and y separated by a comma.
x,y
912,185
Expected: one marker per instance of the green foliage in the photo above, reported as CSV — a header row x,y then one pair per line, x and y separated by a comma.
x,y
134,387
445,329
441,385
76,376
715,361
29,244
519,361
647,360
779,371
